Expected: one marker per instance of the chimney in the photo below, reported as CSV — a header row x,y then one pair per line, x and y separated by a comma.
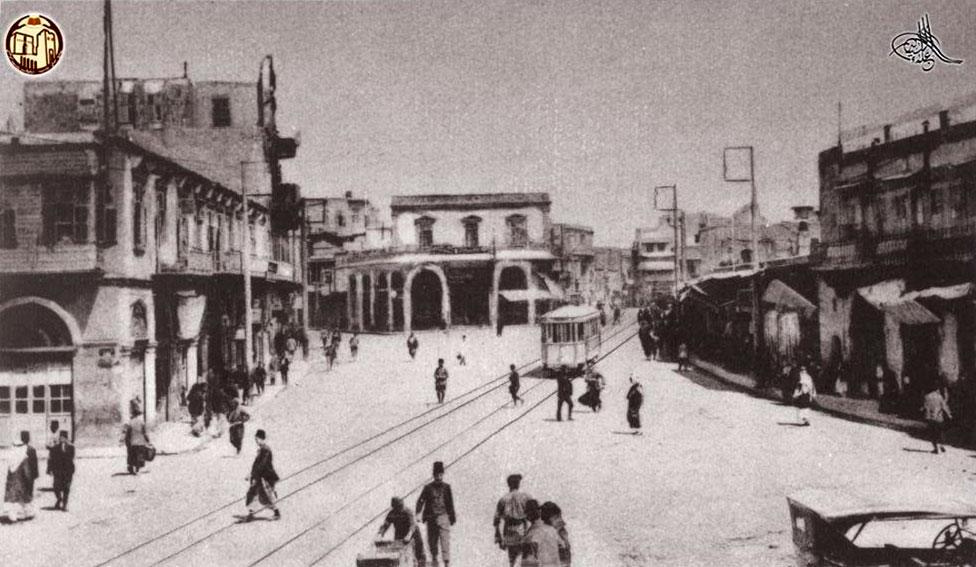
x,y
925,126
348,194
943,120
185,70
887,133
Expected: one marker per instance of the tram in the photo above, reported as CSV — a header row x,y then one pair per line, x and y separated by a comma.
x,y
571,337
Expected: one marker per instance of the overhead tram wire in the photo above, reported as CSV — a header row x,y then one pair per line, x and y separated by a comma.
x,y
474,448
328,458
368,454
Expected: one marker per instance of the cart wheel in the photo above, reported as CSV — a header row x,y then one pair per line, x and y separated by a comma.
x,y
949,538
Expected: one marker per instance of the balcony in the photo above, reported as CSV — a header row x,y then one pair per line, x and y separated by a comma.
x,y
61,258
861,249
194,262
437,249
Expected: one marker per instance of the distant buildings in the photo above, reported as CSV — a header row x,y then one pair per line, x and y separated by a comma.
x,y
653,260
468,259
573,247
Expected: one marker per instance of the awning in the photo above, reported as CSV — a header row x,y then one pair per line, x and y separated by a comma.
x,y
782,295
947,293
189,314
554,289
909,312
882,292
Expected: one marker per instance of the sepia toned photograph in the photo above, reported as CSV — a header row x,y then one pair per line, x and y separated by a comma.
x,y
488,283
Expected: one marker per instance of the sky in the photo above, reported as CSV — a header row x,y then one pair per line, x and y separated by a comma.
x,y
595,103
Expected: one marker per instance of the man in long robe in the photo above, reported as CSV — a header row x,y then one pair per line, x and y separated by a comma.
x,y
21,469
261,493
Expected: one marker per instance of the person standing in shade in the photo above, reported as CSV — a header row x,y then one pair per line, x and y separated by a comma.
x,y
412,345
354,346
61,466
564,395
936,411
540,546
635,399
331,353
236,418
21,471
514,385
435,506
440,380
261,492
683,362
259,375
510,521
404,529
552,515
285,365
136,441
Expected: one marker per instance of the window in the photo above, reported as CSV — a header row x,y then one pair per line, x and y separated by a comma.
x,y
340,220
37,403
138,324
211,233
471,231
139,218
355,219
425,232
220,111
198,237
518,233
60,399
160,214
4,400
20,399
155,107
8,228
935,202
65,212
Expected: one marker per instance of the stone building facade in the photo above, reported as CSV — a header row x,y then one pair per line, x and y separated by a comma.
x,y
896,263
573,247
460,259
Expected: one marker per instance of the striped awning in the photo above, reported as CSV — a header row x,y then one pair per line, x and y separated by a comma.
x,y
785,297
909,312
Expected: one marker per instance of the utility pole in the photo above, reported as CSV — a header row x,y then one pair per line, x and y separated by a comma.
x,y
246,269
738,176
674,221
303,258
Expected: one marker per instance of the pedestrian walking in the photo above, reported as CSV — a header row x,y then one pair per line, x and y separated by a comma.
x,y
635,400
354,346
683,362
258,376
243,383
616,314
540,546
440,380
261,491
137,443
644,336
594,387
803,396
510,521
285,365
330,354
273,370
197,400
462,350
435,506
336,337
404,529
21,472
514,385
552,515
564,395
236,418
412,345
54,436
61,466
935,408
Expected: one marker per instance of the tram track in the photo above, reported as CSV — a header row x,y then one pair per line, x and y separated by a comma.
x,y
357,453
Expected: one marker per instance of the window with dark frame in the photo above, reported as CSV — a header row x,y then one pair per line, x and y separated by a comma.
x,y
65,212
8,228
471,225
220,111
139,219
518,232
425,232
107,217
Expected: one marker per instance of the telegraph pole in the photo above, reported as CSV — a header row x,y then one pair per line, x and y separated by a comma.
x,y
754,236
246,269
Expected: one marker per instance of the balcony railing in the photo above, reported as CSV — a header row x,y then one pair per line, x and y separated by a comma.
x,y
860,247
440,249
229,262
60,258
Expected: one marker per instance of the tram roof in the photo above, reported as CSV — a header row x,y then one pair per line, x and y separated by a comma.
x,y
568,312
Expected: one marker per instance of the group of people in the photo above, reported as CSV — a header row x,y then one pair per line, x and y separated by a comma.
x,y
21,470
526,530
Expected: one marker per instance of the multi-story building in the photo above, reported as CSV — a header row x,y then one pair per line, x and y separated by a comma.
x,y
572,245
464,259
334,227
653,258
895,266
121,261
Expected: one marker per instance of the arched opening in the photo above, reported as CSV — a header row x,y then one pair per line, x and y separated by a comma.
x,y
512,312
396,287
425,297
381,314
36,352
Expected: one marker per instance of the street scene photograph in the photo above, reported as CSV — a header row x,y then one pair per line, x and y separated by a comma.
x,y
488,283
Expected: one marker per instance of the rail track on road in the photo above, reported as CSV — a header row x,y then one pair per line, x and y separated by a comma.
x,y
179,540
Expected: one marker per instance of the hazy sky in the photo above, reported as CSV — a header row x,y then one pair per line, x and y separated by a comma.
x,y
593,101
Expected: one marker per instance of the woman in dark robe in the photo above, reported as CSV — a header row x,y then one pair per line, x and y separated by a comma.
x,y
646,341
635,399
